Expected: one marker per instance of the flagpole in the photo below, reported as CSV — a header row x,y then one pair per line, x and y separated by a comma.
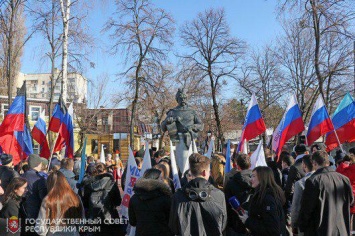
x,y
50,158
341,146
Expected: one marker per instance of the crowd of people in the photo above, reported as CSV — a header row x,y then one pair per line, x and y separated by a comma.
x,y
303,192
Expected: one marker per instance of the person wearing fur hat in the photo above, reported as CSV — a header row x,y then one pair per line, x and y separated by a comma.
x,y
149,207
7,173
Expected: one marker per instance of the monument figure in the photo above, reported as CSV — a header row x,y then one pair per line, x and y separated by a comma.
x,y
182,119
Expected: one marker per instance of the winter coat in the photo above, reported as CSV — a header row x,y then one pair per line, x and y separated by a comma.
x,y
240,187
11,208
6,175
267,218
70,176
348,171
14,207
296,200
284,173
198,217
90,168
149,208
275,169
101,197
325,204
36,191
295,173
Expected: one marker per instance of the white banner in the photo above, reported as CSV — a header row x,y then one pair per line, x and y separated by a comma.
x,y
174,170
132,176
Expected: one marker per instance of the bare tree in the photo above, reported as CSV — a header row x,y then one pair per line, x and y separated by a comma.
x,y
143,33
295,56
214,52
261,75
328,20
13,38
65,6
86,114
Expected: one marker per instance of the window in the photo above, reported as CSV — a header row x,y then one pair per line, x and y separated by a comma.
x,y
43,82
42,90
4,109
43,95
104,120
35,111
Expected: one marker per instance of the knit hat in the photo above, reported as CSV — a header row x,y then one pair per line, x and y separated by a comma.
x,y
5,158
34,160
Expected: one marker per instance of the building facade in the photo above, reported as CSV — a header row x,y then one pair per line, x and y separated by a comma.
x,y
39,86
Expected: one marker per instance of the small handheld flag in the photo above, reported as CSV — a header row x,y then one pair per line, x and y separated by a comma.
x,y
147,163
228,165
258,156
83,162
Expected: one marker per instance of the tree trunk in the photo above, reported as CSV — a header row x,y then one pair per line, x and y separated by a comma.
x,y
65,9
317,45
9,54
220,139
133,110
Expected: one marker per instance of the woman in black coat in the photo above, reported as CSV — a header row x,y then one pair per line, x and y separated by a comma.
x,y
266,215
149,207
12,202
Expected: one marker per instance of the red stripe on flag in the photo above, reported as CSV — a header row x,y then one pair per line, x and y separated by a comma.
x,y
319,130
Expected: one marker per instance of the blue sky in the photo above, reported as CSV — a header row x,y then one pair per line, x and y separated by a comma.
x,y
252,21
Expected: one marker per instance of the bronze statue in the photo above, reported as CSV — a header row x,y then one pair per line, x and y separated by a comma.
x,y
182,119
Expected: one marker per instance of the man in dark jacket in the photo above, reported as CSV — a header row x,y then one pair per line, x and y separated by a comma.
x,y
296,172
240,187
326,200
66,167
198,208
7,173
36,188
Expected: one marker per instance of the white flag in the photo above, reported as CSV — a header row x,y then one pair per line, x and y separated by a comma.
x,y
147,163
102,155
187,164
210,149
174,170
258,157
132,174
194,148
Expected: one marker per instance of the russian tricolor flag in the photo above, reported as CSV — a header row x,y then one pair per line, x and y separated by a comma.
x,y
344,123
254,123
66,133
39,133
291,124
320,122
15,137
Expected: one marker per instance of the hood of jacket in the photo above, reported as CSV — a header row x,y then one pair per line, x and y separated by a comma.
x,y
67,173
242,178
150,188
102,182
198,185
